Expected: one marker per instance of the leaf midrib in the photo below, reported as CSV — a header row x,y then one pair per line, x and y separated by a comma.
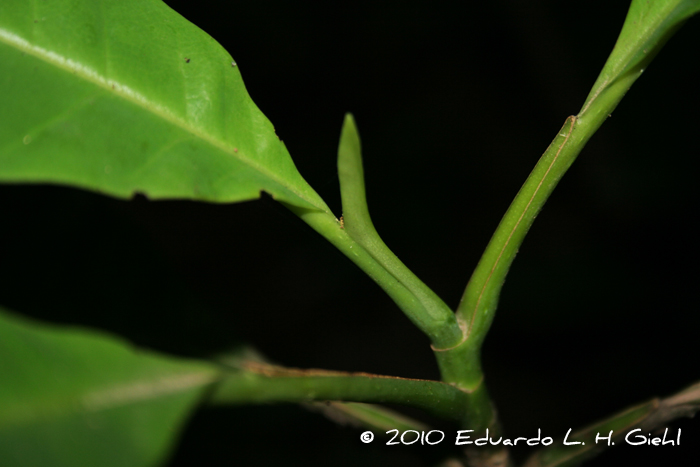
x,y
129,94
103,397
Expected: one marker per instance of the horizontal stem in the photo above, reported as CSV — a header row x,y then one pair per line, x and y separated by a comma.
x,y
370,416
264,383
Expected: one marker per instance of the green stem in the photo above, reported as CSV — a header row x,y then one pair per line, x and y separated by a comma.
x,y
442,331
370,416
461,364
262,383
481,296
454,359
359,226
457,341
458,361
647,417
461,367
647,28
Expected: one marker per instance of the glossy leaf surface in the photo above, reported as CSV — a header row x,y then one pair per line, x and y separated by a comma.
x,y
126,96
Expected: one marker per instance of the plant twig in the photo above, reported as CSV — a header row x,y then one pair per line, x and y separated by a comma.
x,y
354,234
357,414
374,417
479,413
481,296
442,331
647,28
648,417
358,224
257,382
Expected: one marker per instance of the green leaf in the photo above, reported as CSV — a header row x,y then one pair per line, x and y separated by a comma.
x,y
72,397
126,96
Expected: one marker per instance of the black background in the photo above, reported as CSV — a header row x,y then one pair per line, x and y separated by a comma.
x,y
455,102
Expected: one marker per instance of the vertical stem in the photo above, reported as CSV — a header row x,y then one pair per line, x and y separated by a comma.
x,y
481,295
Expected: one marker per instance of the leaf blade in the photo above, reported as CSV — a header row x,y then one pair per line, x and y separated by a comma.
x,y
78,397
125,97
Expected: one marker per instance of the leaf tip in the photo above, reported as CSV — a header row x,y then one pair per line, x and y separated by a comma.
x,y
349,138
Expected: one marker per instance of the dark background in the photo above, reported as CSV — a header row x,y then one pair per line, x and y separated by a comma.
x,y
455,102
